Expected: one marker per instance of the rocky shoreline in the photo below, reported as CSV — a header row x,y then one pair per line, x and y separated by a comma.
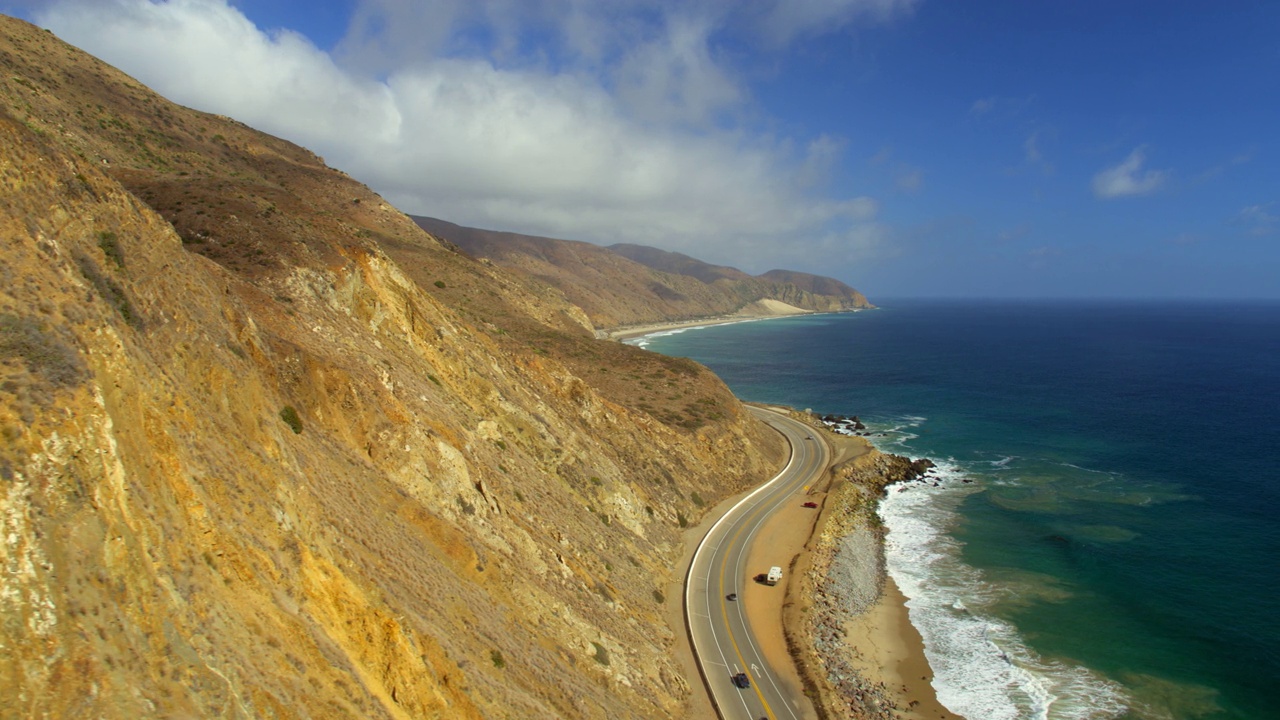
x,y
844,579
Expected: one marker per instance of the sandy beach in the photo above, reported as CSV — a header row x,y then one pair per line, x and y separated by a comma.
x,y
887,649
849,626
840,615
759,310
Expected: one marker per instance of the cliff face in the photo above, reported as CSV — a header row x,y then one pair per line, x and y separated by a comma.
x,y
268,449
632,284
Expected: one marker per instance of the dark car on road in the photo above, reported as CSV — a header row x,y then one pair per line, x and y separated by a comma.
x,y
811,505
741,680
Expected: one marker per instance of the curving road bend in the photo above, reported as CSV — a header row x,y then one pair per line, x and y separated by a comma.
x,y
722,640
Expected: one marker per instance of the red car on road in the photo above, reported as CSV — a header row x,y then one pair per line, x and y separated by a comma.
x,y
811,505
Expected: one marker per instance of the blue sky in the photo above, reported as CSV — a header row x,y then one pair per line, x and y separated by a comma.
x,y
909,147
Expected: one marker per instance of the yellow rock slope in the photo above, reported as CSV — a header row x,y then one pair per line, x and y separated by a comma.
x,y
267,449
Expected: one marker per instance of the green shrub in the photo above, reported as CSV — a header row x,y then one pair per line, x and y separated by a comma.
x,y
602,655
680,518
290,417
496,657
659,597
43,352
439,283
109,289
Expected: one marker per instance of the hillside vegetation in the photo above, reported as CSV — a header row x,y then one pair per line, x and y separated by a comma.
x,y
268,449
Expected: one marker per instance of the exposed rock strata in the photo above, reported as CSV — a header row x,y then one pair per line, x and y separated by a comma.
x,y
269,450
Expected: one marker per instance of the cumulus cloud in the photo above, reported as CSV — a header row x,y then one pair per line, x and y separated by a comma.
x,y
614,131
1128,178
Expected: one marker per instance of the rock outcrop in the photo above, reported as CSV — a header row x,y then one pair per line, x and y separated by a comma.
x,y
267,449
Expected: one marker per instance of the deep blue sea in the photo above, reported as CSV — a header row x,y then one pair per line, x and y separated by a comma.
x,y
1116,551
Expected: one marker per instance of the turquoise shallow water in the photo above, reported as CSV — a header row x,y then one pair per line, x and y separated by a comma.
x,y
1115,551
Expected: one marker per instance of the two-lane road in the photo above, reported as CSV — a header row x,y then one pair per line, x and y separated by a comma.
x,y
722,640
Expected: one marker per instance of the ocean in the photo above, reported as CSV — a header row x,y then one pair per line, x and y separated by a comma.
x,y
1115,552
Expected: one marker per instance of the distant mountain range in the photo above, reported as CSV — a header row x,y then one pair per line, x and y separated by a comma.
x,y
623,284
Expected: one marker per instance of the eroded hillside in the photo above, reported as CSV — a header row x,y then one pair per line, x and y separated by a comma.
x,y
270,450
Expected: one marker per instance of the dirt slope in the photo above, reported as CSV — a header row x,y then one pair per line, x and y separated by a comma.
x,y
267,449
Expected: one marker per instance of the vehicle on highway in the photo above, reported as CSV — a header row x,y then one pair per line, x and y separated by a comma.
x,y
741,680
731,596
811,505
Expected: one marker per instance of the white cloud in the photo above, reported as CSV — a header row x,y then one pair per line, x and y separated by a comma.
x,y
1128,178
908,179
999,107
1032,148
982,106
787,20
674,79
618,132
1259,219
1033,152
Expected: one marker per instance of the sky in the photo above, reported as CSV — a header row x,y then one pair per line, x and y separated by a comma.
x,y
911,148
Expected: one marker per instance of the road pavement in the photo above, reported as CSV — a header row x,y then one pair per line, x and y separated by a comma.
x,y
722,640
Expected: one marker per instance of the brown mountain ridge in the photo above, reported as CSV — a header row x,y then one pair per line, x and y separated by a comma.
x,y
623,285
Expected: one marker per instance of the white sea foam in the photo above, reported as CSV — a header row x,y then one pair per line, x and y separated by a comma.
x,y
982,668
897,432
642,341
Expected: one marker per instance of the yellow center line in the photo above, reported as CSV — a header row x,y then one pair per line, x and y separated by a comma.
x,y
724,606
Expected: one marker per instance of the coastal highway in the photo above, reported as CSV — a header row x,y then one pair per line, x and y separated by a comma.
x,y
722,640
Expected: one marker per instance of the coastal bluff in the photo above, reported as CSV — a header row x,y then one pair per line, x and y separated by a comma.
x,y
269,449
842,580
625,285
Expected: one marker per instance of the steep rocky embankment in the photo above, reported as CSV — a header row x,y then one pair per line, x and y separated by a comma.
x,y
269,450
844,576
627,285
